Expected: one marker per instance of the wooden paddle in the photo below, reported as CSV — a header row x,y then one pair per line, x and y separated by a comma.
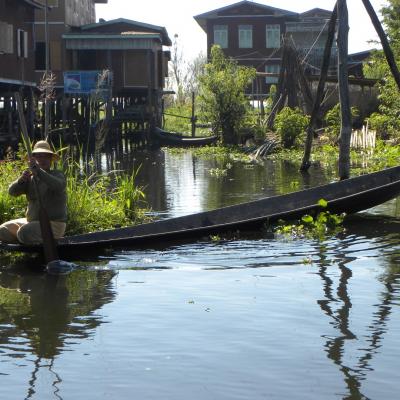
x,y
49,243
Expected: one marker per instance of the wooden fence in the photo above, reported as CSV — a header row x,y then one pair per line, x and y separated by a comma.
x,y
363,138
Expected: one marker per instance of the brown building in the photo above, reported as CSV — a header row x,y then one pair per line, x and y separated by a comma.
x,y
132,50
63,16
16,62
252,33
17,43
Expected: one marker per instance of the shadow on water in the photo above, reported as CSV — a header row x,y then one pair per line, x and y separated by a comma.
x,y
40,314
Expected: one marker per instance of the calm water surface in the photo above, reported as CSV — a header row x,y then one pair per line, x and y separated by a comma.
x,y
259,317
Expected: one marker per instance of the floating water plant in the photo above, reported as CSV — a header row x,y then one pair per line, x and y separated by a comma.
x,y
318,226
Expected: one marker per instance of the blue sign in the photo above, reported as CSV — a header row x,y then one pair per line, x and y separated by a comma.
x,y
87,82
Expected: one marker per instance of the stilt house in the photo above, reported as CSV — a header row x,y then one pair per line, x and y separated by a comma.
x,y
16,58
133,52
252,33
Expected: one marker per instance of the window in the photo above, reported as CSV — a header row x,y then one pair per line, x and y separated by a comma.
x,y
273,37
6,38
40,56
221,35
22,43
245,36
272,69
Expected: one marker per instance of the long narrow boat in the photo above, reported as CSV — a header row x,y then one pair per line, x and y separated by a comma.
x,y
166,138
349,196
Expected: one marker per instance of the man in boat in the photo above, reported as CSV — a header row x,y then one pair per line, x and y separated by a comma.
x,y
51,185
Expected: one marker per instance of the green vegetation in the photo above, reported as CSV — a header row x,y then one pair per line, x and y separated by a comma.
x,y
290,124
218,172
388,124
222,95
384,155
317,227
177,118
224,154
95,202
333,122
10,207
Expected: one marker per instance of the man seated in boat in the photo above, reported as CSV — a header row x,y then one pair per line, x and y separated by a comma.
x,y
51,185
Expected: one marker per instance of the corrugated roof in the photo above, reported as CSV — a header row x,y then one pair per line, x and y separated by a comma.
x,y
158,29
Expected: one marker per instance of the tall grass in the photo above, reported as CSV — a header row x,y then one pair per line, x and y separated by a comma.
x,y
98,202
95,202
10,207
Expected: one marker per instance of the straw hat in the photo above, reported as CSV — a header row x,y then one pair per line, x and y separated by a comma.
x,y
43,147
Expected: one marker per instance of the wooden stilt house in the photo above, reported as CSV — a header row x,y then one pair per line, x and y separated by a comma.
x,y
134,53
16,62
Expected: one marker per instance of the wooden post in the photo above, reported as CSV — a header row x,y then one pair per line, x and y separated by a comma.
x,y
280,95
304,84
385,43
345,129
193,119
290,79
64,110
9,111
320,90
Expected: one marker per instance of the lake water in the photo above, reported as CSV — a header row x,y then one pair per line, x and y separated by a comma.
x,y
259,317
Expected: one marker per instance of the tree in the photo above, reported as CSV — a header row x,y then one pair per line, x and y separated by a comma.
x,y
177,72
378,68
184,76
222,95
195,70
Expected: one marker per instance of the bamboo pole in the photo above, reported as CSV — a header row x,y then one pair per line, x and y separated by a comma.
x,y
49,243
345,112
320,90
281,93
385,43
193,119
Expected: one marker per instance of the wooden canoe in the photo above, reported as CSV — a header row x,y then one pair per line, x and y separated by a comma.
x,y
348,196
165,138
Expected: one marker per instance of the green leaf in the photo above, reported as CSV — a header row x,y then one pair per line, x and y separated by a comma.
x,y
322,203
307,219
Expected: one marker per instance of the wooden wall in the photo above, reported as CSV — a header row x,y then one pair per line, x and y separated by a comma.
x,y
20,16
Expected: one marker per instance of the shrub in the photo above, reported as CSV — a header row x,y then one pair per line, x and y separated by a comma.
x,y
290,124
382,124
333,121
223,100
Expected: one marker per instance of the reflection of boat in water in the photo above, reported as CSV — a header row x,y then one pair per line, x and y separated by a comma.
x,y
165,138
347,196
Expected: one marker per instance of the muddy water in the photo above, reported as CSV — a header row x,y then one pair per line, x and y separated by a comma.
x,y
259,317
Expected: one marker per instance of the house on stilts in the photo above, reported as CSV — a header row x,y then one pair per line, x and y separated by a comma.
x,y
129,57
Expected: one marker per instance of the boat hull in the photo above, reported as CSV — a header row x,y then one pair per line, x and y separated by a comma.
x,y
165,138
347,196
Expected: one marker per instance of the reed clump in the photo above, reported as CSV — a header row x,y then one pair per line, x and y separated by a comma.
x,y
10,207
95,201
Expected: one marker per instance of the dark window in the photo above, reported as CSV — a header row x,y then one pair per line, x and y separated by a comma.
x,y
40,56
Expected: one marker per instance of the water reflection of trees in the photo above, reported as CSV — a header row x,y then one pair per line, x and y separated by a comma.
x,y
337,305
47,311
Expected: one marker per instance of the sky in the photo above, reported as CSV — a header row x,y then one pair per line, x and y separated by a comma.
x,y
177,17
